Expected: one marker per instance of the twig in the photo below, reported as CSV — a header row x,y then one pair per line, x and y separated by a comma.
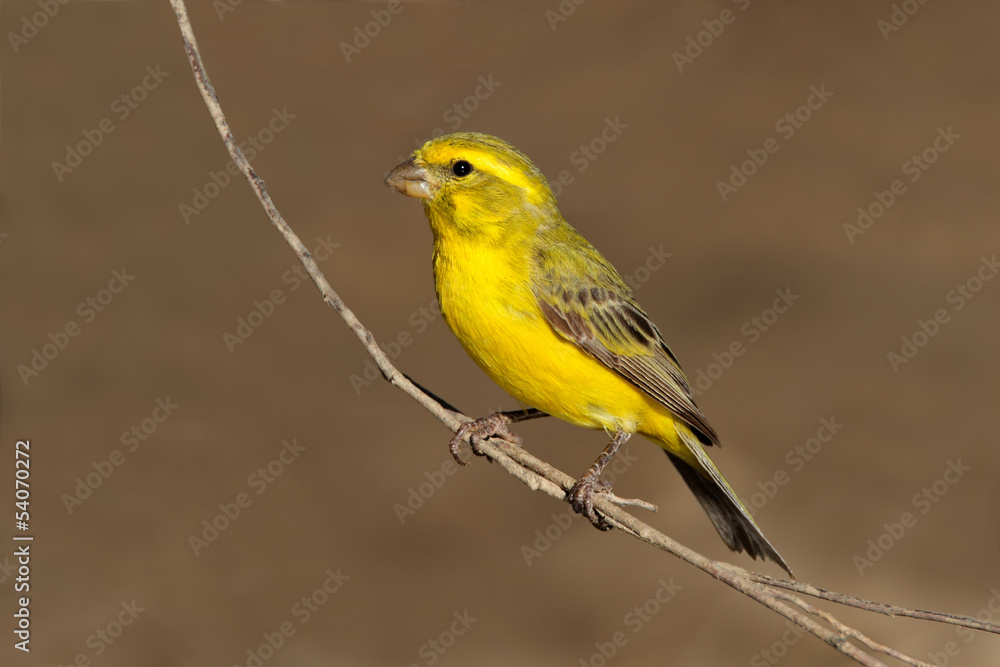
x,y
848,631
539,475
878,607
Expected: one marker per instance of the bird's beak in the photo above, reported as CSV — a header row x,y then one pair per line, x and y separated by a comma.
x,y
411,180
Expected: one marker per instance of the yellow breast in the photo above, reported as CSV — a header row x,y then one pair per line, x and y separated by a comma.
x,y
486,298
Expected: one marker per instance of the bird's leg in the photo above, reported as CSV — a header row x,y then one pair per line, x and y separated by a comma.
x,y
581,496
488,427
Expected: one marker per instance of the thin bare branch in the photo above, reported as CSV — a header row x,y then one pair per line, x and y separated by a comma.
x,y
540,476
878,607
851,632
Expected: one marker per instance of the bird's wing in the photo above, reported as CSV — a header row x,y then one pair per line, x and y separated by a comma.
x,y
595,310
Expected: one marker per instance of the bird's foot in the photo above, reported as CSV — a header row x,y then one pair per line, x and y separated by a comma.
x,y
482,429
581,495
581,498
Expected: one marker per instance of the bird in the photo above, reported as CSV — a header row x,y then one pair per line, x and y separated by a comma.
x,y
552,322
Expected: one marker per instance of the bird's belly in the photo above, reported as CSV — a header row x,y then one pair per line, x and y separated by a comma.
x,y
499,324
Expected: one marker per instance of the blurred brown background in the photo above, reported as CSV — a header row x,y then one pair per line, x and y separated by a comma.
x,y
363,451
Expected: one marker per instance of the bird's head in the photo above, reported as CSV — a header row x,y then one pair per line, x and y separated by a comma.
x,y
472,183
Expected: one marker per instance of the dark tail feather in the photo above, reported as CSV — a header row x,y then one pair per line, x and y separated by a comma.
x,y
736,528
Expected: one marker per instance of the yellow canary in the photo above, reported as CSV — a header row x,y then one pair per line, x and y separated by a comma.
x,y
548,318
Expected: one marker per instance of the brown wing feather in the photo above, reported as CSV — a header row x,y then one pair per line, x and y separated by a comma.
x,y
608,324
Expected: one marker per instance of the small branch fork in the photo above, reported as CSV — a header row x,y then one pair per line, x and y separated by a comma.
x,y
775,594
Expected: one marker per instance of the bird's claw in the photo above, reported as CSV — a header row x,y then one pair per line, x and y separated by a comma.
x,y
479,430
581,498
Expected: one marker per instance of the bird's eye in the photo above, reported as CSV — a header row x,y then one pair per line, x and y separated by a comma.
x,y
461,168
